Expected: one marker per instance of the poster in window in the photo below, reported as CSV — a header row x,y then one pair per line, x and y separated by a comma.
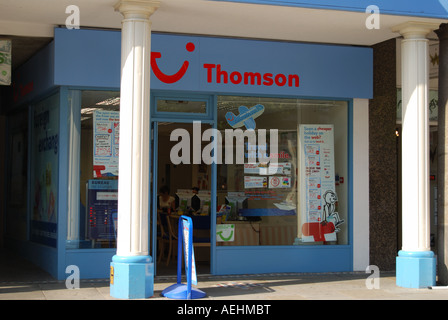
x,y
102,204
5,61
318,198
255,182
106,139
44,172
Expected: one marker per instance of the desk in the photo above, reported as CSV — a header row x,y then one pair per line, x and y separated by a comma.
x,y
246,234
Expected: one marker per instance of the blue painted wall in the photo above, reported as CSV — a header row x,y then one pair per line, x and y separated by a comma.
x,y
35,77
88,58
249,260
417,8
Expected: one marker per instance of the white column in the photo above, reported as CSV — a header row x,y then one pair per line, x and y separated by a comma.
x,y
360,184
134,161
132,269
415,135
415,264
73,213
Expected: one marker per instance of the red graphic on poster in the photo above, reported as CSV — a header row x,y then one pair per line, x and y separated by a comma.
x,y
275,181
317,230
98,169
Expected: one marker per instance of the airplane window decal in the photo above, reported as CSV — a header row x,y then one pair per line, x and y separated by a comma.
x,y
246,117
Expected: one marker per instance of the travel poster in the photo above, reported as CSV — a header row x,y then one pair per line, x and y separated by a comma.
x,y
45,171
106,138
317,183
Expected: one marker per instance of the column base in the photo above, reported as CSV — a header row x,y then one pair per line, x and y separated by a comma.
x,y
132,277
415,269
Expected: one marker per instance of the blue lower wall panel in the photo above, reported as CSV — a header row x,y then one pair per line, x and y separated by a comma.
x,y
92,263
257,260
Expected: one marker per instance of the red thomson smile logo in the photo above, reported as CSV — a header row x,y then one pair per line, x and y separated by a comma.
x,y
174,77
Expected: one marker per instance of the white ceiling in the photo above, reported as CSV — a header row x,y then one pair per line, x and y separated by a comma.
x,y
37,18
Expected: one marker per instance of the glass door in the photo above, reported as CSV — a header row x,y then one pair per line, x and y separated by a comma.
x,y
182,183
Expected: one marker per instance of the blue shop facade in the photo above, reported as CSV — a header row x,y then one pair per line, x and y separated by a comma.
x,y
305,212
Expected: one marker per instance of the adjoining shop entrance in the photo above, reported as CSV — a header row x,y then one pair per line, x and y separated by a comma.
x,y
180,188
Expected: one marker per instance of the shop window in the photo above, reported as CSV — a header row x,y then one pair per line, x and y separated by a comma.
x,y
291,188
182,106
92,222
45,171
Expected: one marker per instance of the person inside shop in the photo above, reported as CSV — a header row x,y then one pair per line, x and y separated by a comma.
x,y
165,202
195,201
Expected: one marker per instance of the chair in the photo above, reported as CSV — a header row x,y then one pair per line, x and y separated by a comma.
x,y
160,242
164,237
201,231
172,229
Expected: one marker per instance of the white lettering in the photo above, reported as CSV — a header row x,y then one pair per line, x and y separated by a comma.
x,y
212,152
183,146
73,20
373,20
194,310
72,281
245,309
373,281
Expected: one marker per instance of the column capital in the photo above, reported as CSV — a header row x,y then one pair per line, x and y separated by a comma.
x,y
415,29
442,32
137,8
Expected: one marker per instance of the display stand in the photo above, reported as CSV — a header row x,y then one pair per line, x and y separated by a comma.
x,y
185,240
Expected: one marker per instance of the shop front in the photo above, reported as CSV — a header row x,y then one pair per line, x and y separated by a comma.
x,y
255,140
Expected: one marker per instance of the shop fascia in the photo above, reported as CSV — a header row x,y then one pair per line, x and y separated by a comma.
x,y
255,150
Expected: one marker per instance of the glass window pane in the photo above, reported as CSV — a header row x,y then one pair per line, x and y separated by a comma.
x,y
94,227
272,203
99,165
185,106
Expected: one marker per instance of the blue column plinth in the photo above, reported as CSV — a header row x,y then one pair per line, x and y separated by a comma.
x,y
132,277
416,269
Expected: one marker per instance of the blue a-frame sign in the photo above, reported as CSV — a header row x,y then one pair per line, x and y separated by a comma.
x,y
185,241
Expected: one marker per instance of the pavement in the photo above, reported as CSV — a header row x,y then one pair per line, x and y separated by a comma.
x,y
328,286
23,281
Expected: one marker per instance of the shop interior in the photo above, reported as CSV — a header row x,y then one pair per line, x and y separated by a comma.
x,y
183,189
